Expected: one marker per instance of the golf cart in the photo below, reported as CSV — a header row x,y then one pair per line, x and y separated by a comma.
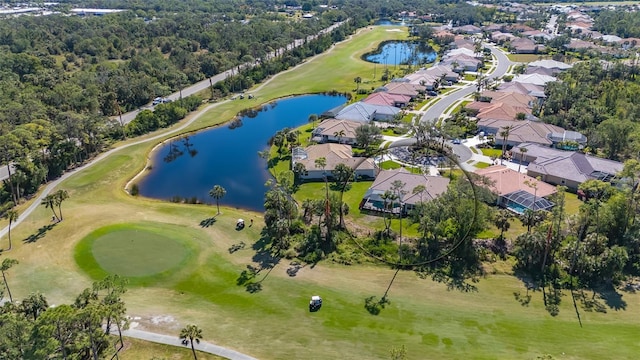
x,y
239,224
315,304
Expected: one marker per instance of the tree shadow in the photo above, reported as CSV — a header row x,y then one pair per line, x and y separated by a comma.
x,y
208,222
237,247
375,306
294,267
39,234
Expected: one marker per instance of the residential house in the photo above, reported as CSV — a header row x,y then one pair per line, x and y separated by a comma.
x,y
501,37
384,98
462,62
334,130
404,89
434,186
550,64
568,140
429,81
516,191
525,46
567,168
520,131
467,29
443,71
333,154
536,91
535,79
363,112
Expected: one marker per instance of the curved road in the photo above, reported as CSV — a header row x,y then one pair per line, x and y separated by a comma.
x,y
437,109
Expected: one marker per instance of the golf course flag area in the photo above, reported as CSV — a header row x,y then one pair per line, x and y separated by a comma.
x,y
142,252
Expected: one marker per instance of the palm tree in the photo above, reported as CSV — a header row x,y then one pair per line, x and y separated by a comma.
x,y
339,135
49,202
501,221
312,119
217,192
6,265
523,150
357,80
504,134
58,197
189,334
11,215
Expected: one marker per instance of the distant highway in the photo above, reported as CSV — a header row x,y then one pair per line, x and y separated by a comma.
x,y
206,83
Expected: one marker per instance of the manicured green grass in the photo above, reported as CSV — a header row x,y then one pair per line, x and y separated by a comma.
x,y
474,150
491,152
135,349
469,77
141,252
481,165
392,165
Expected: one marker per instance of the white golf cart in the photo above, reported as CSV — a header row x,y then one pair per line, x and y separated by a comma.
x,y
315,303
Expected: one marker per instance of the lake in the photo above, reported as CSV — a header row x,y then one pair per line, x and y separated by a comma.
x,y
227,155
401,53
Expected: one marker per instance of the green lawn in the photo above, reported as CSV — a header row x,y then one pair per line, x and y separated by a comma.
x,y
135,349
491,152
140,252
481,165
527,58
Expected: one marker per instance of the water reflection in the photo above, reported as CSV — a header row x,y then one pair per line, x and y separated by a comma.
x,y
402,53
187,168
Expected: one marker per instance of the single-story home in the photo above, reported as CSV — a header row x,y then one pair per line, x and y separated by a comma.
x,y
385,98
434,186
551,64
567,168
525,46
333,154
334,130
404,89
516,191
443,70
363,112
536,91
535,79
520,131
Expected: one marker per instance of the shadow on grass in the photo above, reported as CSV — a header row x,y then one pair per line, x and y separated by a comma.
x,y
265,259
237,247
208,222
39,234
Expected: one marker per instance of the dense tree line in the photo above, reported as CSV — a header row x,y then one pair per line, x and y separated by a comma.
x,y
32,330
600,101
625,24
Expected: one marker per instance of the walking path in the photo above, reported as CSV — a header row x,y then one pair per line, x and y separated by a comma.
x,y
176,341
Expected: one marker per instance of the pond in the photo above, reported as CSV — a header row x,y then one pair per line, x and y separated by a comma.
x,y
401,53
188,167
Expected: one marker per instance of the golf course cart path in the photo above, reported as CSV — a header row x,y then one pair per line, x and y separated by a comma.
x,y
175,341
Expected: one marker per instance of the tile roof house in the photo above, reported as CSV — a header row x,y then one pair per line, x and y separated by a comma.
x,y
520,132
429,81
567,168
328,130
333,154
462,61
551,64
364,112
384,98
372,200
541,71
535,79
440,70
467,29
500,37
523,88
516,191
404,89
525,46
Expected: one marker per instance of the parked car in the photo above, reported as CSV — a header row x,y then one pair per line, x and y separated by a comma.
x,y
456,141
432,93
157,100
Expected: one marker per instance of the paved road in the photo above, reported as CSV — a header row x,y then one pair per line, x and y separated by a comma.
x,y
206,84
175,341
436,110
